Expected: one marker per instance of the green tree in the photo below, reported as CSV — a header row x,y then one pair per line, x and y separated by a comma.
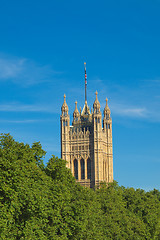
x,y
46,202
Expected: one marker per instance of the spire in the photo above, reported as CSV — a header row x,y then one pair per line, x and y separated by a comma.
x,y
96,104
96,95
76,105
64,107
85,82
76,112
107,110
106,107
64,98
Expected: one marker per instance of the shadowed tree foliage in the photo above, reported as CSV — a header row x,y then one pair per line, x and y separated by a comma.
x,y
45,202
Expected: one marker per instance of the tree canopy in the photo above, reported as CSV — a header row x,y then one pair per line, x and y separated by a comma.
x,y
45,202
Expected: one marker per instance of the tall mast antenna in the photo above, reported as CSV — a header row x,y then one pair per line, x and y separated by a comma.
x,y
85,82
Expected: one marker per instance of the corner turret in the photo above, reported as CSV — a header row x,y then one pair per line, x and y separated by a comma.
x,y
107,121
96,105
64,108
65,122
76,115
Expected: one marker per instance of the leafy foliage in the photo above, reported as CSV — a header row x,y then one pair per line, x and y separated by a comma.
x,y
45,202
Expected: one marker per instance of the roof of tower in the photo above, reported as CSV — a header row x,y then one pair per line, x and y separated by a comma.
x,y
106,107
76,112
86,110
86,116
64,106
96,103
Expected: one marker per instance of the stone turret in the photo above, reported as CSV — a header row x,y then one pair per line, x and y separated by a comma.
x,y
107,117
76,115
65,128
97,116
107,127
64,108
96,105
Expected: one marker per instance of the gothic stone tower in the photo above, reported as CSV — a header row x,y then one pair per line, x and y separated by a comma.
x,y
86,145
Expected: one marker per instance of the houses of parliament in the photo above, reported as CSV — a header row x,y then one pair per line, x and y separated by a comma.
x,y
86,145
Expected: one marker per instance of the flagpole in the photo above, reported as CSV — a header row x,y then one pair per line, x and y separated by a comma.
x,y
85,83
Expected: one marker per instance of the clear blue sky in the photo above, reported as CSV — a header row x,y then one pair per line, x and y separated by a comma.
x,y
43,45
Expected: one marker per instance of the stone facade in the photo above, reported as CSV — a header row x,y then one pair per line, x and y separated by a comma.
x,y
86,145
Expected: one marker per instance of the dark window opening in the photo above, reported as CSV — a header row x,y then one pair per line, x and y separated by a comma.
x,y
88,168
82,169
65,123
76,168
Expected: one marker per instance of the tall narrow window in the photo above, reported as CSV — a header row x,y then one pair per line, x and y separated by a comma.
x,y
82,169
88,168
76,168
107,116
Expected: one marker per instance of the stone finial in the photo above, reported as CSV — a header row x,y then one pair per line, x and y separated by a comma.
x,y
75,104
64,98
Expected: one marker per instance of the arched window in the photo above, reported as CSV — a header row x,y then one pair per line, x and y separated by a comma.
x,y
107,116
82,169
76,168
65,123
88,168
